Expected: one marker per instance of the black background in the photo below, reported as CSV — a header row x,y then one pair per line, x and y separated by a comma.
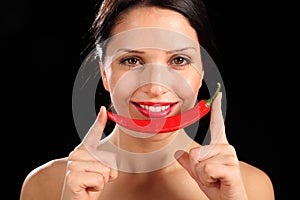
x,y
41,45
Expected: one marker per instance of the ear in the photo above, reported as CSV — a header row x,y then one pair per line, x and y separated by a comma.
x,y
104,77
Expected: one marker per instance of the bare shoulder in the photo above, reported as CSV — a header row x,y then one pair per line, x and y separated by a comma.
x,y
257,182
45,182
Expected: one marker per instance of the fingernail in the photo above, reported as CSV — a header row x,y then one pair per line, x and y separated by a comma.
x,y
101,112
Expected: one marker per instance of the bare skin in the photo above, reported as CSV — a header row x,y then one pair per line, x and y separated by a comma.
x,y
45,186
200,172
47,182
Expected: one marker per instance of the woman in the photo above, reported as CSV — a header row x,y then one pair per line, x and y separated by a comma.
x,y
149,57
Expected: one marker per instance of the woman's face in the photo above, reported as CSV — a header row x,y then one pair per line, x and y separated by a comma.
x,y
152,66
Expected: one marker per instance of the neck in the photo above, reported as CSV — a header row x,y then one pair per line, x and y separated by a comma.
x,y
139,155
142,143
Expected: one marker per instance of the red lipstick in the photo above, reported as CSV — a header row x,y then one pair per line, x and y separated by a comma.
x,y
154,109
168,124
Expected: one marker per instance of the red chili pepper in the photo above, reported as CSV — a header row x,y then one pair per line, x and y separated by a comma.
x,y
168,124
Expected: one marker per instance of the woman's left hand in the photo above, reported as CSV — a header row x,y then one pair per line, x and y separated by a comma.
x,y
215,167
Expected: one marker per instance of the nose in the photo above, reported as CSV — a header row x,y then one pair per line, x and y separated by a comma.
x,y
155,80
154,89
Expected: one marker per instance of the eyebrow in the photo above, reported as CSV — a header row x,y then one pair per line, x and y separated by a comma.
x,y
130,51
168,52
182,49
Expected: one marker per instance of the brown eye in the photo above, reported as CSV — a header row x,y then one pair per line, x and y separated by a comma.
x,y
131,61
180,61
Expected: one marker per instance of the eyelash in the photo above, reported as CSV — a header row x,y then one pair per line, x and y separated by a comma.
x,y
184,59
125,61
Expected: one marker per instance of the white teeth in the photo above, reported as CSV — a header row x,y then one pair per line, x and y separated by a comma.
x,y
155,108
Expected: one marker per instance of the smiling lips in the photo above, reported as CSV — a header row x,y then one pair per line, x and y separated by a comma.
x,y
154,109
163,124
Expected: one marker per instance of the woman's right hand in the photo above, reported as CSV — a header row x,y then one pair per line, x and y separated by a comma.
x,y
88,169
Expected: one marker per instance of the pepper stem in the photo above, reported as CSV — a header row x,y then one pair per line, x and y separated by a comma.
x,y
209,101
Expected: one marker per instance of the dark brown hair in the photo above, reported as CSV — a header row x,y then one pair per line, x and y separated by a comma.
x,y
193,10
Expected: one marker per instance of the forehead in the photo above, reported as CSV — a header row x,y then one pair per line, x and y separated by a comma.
x,y
154,17
150,38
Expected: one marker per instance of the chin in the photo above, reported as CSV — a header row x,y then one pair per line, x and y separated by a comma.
x,y
148,136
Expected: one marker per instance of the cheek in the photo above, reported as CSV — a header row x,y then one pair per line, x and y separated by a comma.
x,y
194,82
122,85
113,76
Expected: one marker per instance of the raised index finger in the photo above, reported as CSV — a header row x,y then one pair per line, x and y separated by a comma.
x,y
217,126
93,136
